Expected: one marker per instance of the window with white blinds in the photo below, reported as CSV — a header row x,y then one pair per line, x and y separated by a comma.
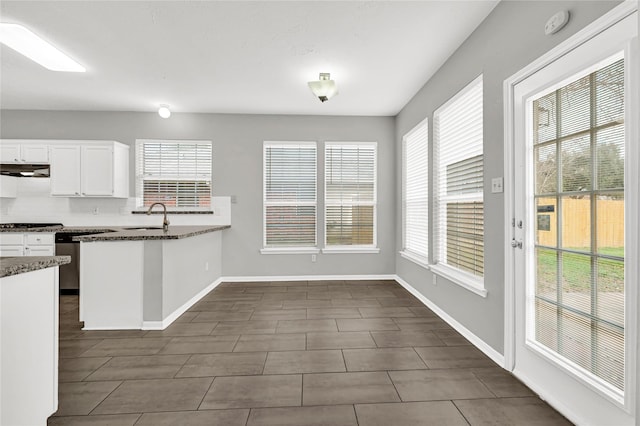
x,y
458,186
176,173
415,192
350,194
289,194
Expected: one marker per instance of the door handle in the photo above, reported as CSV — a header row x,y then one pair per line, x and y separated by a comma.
x,y
515,243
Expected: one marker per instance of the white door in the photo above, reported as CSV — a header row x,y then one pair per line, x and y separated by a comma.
x,y
575,217
97,170
65,170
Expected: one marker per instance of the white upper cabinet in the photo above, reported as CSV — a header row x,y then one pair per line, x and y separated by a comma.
x,y
65,170
90,169
24,153
97,170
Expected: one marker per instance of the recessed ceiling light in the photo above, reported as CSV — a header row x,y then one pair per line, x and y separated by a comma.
x,y
35,48
164,111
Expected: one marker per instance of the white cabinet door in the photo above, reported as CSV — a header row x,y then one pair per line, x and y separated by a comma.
x,y
97,170
65,170
10,153
35,154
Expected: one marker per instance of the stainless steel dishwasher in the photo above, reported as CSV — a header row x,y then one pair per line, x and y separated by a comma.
x,y
70,273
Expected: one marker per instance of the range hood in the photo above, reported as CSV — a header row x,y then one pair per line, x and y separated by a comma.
x,y
25,170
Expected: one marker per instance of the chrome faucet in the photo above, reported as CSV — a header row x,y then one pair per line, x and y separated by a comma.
x,y
165,222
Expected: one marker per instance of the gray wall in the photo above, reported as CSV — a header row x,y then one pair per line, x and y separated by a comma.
x,y
237,145
510,38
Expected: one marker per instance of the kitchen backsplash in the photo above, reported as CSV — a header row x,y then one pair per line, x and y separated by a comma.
x,y
34,204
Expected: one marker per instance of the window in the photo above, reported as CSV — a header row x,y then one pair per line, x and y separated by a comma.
x,y
350,194
415,193
289,194
459,213
176,173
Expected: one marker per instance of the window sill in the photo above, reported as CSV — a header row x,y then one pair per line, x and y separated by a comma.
x,y
351,250
418,260
464,280
289,250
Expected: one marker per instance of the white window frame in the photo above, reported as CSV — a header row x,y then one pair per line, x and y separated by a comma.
x,y
363,248
284,249
460,277
140,179
422,128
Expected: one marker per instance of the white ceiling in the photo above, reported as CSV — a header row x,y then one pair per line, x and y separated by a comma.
x,y
234,56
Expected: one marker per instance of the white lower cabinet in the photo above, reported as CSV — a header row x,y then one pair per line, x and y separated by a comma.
x,y
29,347
15,244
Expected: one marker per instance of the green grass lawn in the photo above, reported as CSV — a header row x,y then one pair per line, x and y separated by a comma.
x,y
576,270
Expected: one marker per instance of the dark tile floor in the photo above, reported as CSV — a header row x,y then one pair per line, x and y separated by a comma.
x,y
289,353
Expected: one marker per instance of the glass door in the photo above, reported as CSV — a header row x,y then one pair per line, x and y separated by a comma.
x,y
571,126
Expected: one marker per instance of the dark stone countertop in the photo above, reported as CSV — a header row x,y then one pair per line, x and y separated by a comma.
x,y
38,229
123,233
19,265
174,233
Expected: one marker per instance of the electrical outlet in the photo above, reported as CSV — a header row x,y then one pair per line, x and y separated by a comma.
x,y
496,185
434,279
314,257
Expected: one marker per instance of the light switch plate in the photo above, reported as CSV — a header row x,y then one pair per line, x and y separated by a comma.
x,y
496,185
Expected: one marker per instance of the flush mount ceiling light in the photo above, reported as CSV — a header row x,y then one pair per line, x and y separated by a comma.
x,y
324,88
35,48
164,111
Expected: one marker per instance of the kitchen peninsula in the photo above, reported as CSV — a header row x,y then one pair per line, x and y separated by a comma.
x,y
29,338
145,278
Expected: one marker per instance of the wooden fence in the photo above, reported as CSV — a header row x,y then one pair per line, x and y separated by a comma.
x,y
576,222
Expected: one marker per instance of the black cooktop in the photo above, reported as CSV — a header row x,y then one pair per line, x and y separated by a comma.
x,y
28,225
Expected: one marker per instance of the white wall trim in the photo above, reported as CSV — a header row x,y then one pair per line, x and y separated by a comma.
x,y
161,325
496,356
607,20
418,260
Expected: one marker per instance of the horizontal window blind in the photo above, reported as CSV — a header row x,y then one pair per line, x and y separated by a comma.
x,y
579,192
350,193
176,173
290,194
459,177
415,191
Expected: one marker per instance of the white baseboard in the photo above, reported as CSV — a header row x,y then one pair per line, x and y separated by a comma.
x,y
161,325
308,278
496,356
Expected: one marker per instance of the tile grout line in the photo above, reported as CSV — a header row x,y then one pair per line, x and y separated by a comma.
x,y
205,394
460,411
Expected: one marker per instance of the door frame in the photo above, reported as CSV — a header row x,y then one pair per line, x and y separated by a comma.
x,y
601,24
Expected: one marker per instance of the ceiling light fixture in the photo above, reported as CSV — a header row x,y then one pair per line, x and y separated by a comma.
x,y
37,49
324,88
164,111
